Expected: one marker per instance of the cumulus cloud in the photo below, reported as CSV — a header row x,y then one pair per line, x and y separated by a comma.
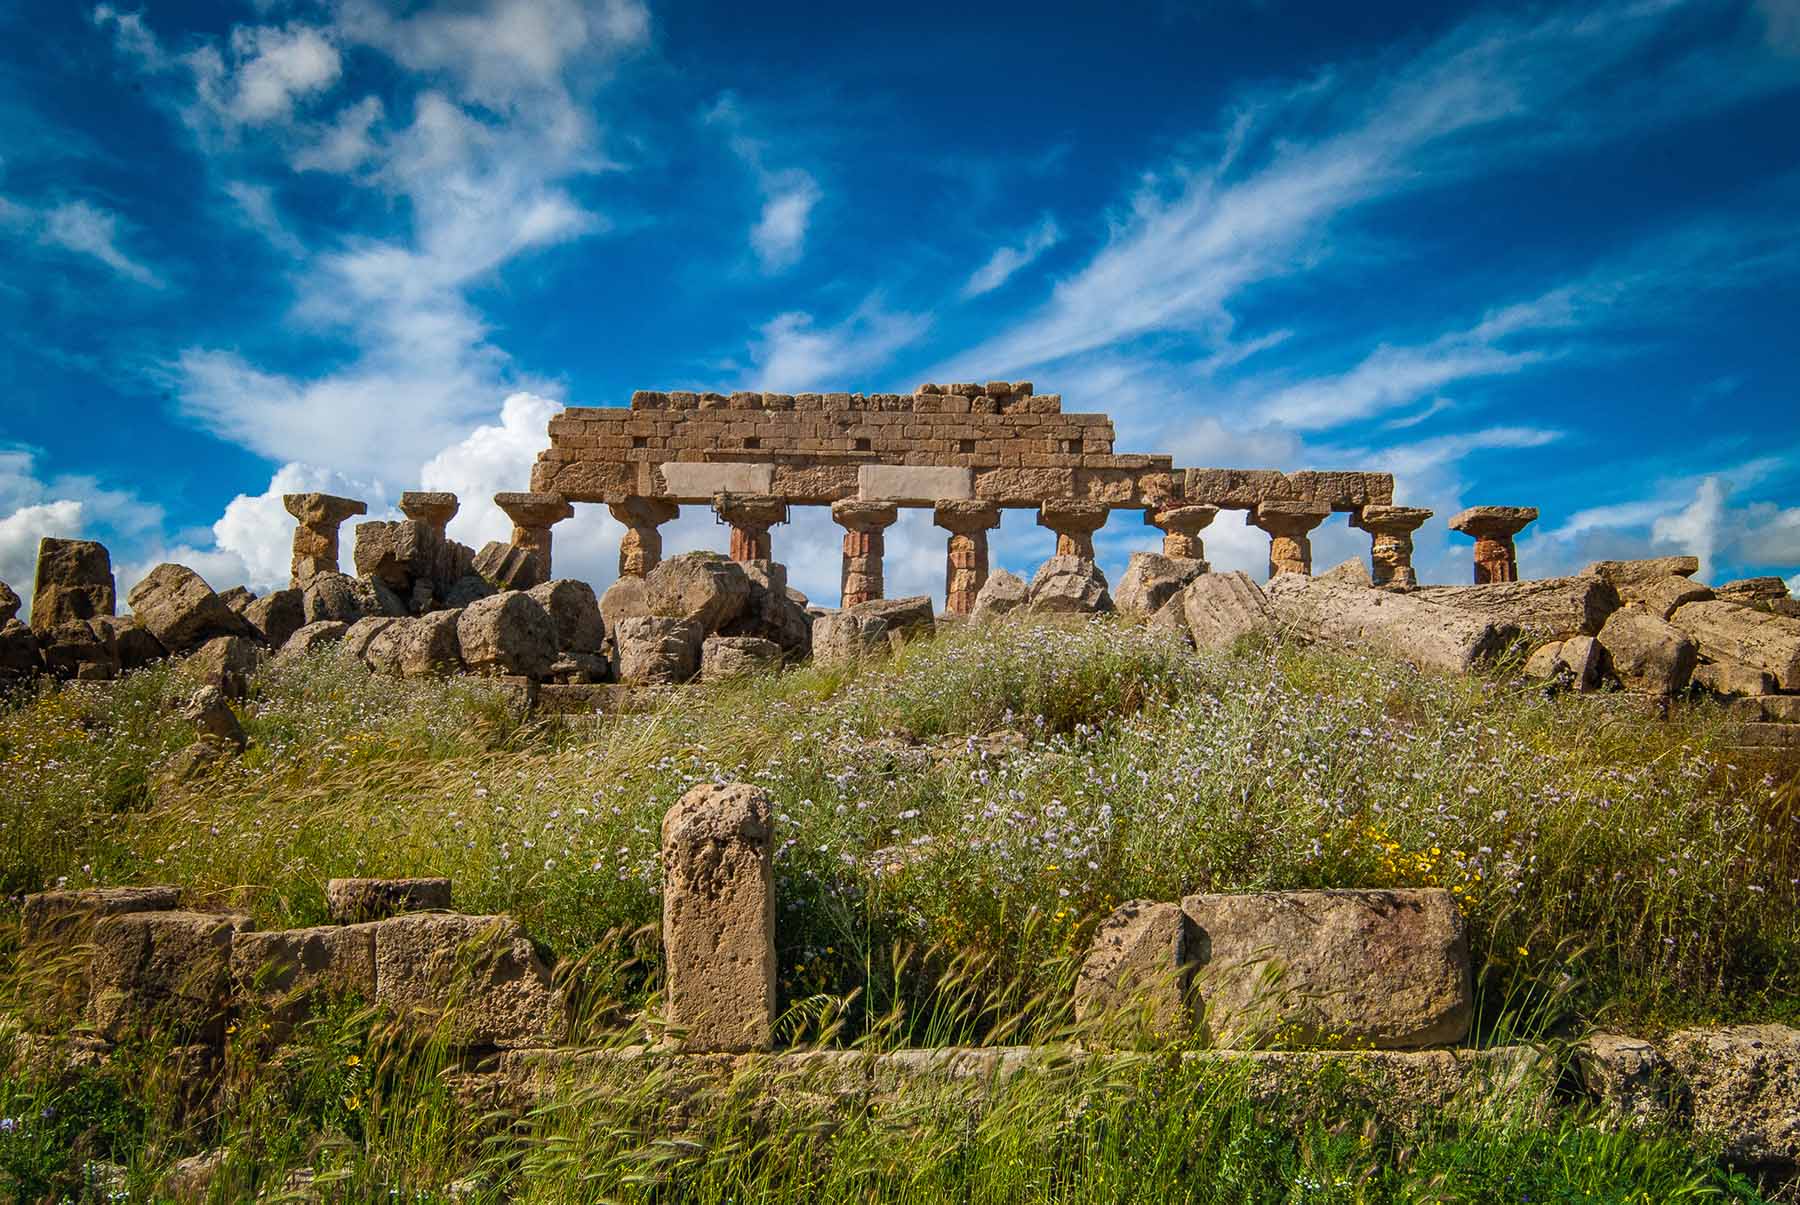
x,y
263,72
65,507
1005,261
346,142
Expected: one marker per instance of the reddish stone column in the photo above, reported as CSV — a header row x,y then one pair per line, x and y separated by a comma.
x,y
640,550
1074,524
1390,531
1494,527
1290,526
430,509
533,515
750,516
864,523
318,518
966,560
1181,527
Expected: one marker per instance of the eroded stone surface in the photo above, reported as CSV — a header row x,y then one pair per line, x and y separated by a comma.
x,y
1727,631
1427,634
177,607
1133,984
1219,608
1647,653
1003,592
1069,585
476,975
1547,609
1151,580
705,587
658,649
283,971
847,637
724,657
351,900
74,582
575,612
161,973
507,634
719,918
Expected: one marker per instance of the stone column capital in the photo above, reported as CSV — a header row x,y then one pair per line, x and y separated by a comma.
x,y
431,508
640,549
750,510
1493,522
641,511
1073,518
1180,520
1291,519
532,510
965,516
1390,520
864,514
322,510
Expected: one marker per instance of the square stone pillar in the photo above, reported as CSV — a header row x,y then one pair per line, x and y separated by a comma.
x,y
430,509
533,515
966,559
864,523
1181,527
1390,531
1074,524
1494,527
640,550
317,518
750,516
1289,525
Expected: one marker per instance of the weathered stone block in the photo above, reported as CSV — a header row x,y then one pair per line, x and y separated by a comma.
x,y
315,636
719,919
477,975
723,657
575,613
1219,608
285,971
846,638
1387,970
161,973
1069,585
907,618
331,596
1743,1086
658,649
74,582
1427,634
1727,631
1648,654
1133,985
277,615
705,587
1003,592
177,607
1550,609
1151,580
349,901
63,916
507,634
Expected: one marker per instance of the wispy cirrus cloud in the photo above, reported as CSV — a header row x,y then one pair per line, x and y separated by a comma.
x,y
793,353
1005,261
789,194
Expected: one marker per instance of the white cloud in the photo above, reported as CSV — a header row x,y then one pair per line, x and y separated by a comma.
x,y
89,230
792,354
66,507
256,202
265,72
779,236
347,142
1007,260
20,532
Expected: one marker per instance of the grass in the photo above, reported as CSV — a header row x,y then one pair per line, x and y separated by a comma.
x,y
974,807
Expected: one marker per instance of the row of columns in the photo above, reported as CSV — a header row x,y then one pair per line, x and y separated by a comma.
x,y
1289,526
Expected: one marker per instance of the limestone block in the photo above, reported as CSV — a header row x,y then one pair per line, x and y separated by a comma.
x,y
349,901
1375,969
478,975
74,581
847,638
1069,585
21,657
1662,596
1619,573
1753,589
131,646
1548,609
314,636
227,662
284,970
1647,653
208,711
773,611
162,974
1727,631
626,598
1428,635
507,634
277,615
575,612
1628,1077
705,587
9,604
1151,580
719,919
1219,608
1743,1086
63,916
907,619
509,566
658,649
1133,984
75,650
177,607
1731,678
723,657
920,485
331,596
1001,593
422,647
694,482
359,635
1582,661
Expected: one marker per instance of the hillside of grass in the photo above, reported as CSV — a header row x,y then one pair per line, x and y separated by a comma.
x,y
980,801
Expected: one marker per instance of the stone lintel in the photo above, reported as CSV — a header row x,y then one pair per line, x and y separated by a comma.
x,y
322,510
1493,522
699,482
534,509
917,485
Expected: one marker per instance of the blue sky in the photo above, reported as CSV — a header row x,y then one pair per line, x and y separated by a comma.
x,y
1539,256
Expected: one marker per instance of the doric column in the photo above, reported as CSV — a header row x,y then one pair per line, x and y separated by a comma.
x,y
533,515
318,517
429,509
1390,531
640,550
1181,527
1074,524
966,560
863,522
750,516
1289,525
1494,528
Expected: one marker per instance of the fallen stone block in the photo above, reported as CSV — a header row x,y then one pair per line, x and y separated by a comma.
x,y
1133,986
1151,580
161,973
277,615
1001,594
1427,634
508,567
658,649
1219,608
74,583
208,711
350,901
359,635
1753,589
627,598
425,647
1378,969
774,611
507,634
1648,654
75,650
285,971
724,657
846,638
9,604
1629,1078
719,919
477,975
63,916
705,587
1743,1087
131,646
1726,631
21,658
1662,596
315,636
331,596
176,606
1619,573
1069,585
574,613
1730,678
227,662
1550,609
907,619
